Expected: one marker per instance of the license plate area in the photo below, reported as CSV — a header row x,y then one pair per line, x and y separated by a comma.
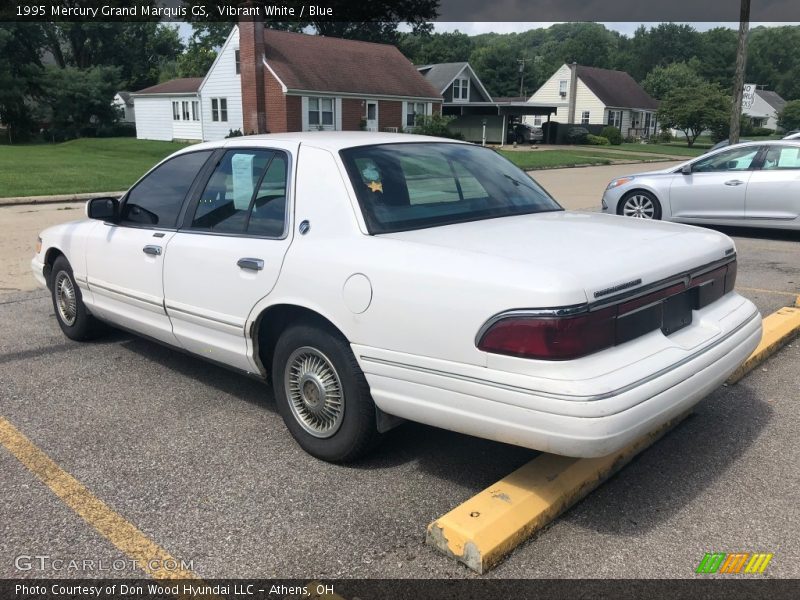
x,y
677,312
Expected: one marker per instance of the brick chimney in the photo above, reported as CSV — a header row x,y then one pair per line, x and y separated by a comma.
x,y
251,56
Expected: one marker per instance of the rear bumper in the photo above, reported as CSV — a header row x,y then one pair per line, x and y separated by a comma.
x,y
583,426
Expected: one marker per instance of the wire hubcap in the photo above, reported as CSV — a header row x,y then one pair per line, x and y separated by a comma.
x,y
314,391
66,300
640,207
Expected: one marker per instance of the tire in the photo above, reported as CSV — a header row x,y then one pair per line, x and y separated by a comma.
x,y
71,313
312,363
640,204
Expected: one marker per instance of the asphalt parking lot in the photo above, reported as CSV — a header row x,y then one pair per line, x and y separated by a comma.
x,y
198,460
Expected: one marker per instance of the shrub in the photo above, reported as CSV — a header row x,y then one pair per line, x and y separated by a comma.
x,y
437,126
232,133
117,130
597,140
577,135
612,134
761,131
665,136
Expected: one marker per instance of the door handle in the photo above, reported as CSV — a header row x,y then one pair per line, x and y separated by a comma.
x,y
253,264
734,182
152,250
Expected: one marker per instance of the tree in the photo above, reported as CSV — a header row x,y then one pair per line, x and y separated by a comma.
x,y
427,49
138,49
773,60
661,80
78,99
20,77
789,117
693,109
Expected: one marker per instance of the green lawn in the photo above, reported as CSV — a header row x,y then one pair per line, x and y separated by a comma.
x,y
548,159
85,165
673,149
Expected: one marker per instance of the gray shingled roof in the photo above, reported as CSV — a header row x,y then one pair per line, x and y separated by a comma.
x,y
616,88
187,85
441,75
772,98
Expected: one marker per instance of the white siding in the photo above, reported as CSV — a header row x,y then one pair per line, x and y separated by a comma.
x,y
586,100
548,94
762,110
154,118
222,81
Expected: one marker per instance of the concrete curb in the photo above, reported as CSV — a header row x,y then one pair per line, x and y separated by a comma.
x,y
780,328
61,198
483,530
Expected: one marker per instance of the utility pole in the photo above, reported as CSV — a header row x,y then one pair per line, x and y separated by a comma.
x,y
741,63
521,62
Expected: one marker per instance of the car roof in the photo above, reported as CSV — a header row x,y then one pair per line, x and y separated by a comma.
x,y
329,140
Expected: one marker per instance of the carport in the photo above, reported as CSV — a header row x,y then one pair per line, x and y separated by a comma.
x,y
471,117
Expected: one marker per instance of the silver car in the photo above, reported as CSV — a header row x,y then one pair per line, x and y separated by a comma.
x,y
754,184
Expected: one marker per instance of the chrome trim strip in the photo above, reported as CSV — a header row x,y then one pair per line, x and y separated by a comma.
x,y
569,397
93,286
207,318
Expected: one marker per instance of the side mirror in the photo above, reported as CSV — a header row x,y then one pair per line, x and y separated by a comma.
x,y
103,209
686,169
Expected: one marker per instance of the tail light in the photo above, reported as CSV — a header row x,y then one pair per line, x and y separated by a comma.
x,y
549,337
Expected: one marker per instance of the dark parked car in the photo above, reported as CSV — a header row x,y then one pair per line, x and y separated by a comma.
x,y
522,133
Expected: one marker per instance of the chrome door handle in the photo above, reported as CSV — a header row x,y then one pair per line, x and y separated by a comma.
x,y
734,182
254,264
152,250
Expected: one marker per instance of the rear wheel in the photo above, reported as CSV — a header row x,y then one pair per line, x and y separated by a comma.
x,y
71,313
322,394
640,205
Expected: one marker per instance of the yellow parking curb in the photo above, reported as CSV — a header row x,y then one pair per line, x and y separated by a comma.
x,y
779,329
482,530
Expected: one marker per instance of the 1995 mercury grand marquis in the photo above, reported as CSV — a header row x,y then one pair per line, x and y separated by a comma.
x,y
379,277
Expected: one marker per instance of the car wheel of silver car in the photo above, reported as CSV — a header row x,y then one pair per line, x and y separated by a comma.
x,y
322,393
640,205
71,313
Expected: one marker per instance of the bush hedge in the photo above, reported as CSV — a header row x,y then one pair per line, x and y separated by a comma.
x,y
613,135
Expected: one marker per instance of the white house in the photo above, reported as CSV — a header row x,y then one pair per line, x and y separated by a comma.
x,y
292,82
590,95
764,109
169,111
124,103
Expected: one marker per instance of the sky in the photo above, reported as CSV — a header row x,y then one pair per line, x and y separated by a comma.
x,y
476,28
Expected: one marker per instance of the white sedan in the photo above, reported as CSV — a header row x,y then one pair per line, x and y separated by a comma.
x,y
752,184
380,277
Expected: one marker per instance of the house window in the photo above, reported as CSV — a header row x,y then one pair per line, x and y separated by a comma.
x,y
195,110
585,117
320,112
461,88
238,63
562,87
185,110
413,109
219,109
537,121
176,112
615,118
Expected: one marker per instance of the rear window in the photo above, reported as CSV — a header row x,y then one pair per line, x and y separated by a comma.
x,y
412,186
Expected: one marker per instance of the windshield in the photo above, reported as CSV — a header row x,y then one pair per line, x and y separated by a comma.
x,y
412,186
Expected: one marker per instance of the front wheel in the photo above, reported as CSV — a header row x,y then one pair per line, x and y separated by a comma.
x,y
71,313
640,205
322,394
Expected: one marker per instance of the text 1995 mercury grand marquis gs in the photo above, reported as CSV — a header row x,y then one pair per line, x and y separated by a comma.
x,y
379,277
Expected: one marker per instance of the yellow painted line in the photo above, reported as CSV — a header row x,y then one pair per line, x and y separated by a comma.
x,y
762,291
779,329
485,528
110,524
